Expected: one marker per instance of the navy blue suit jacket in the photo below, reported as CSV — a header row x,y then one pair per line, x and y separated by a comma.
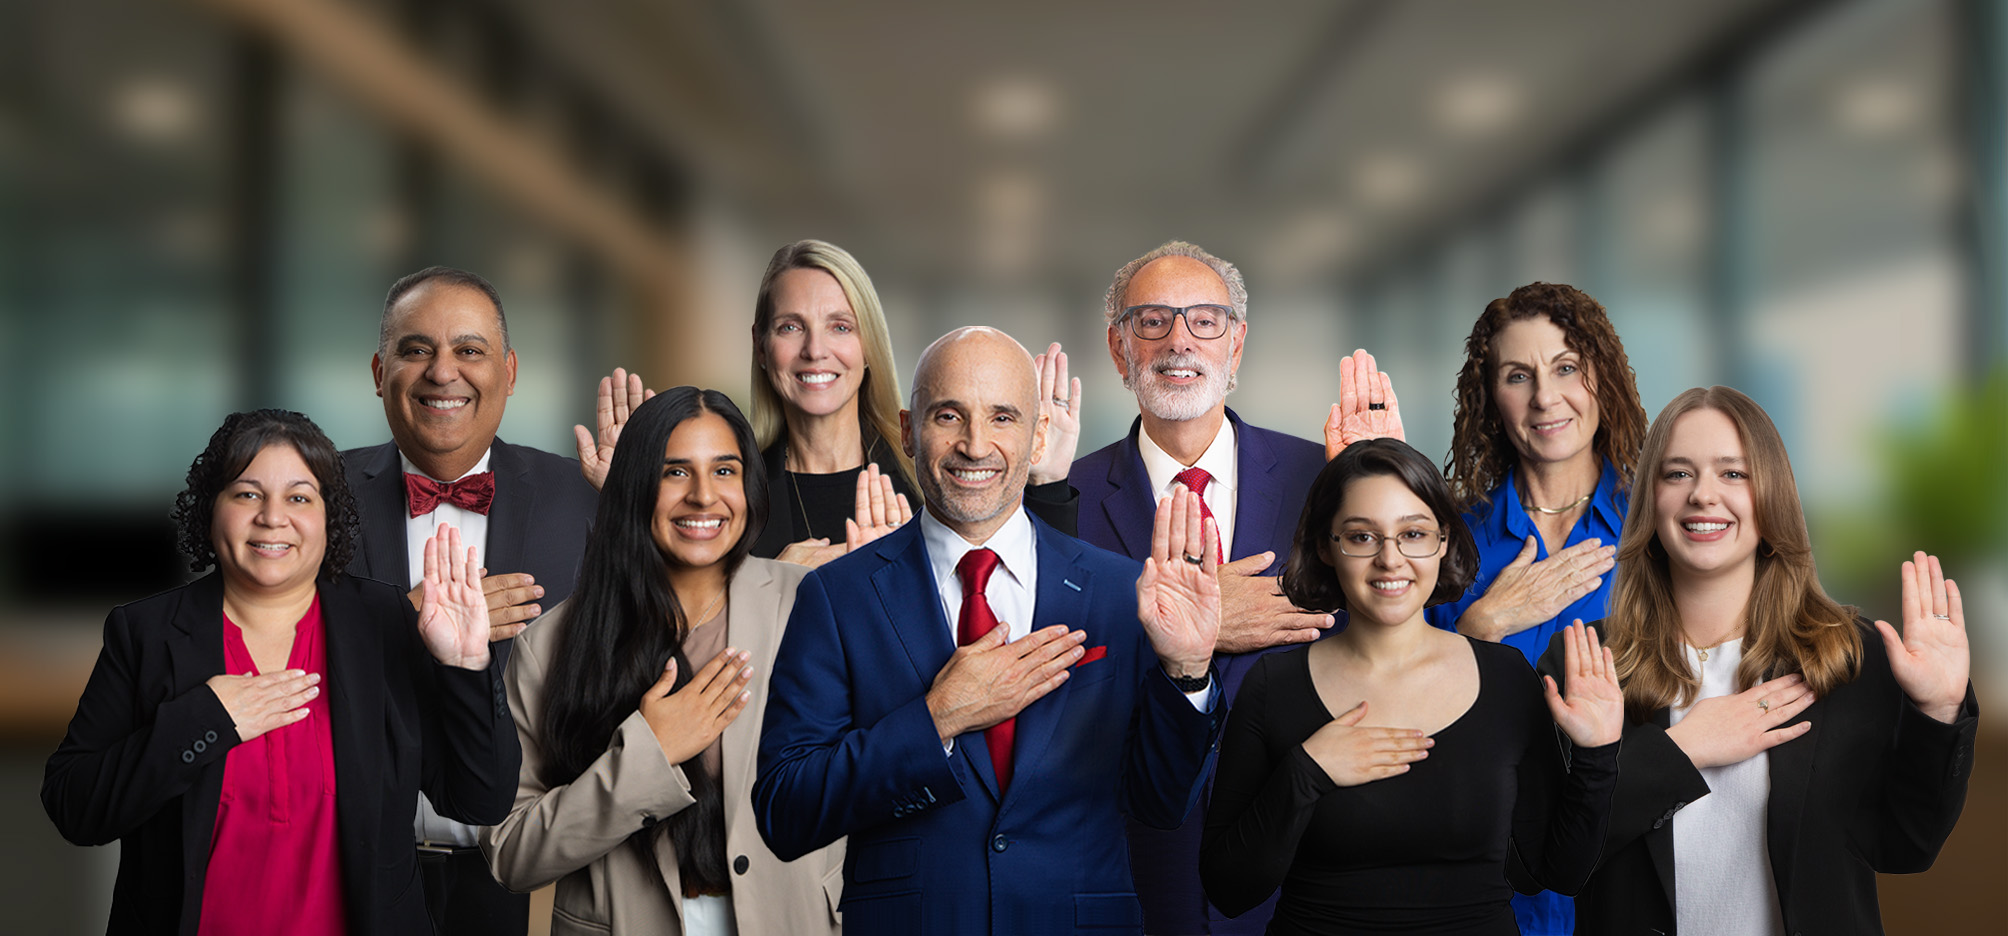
x,y
1117,507
849,748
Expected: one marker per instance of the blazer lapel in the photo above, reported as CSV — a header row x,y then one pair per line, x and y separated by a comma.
x,y
1056,603
1255,502
381,508
356,722
195,653
905,585
1791,769
1659,842
1132,504
753,618
509,514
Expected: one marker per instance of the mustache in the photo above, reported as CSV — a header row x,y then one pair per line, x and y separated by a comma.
x,y
959,464
1171,360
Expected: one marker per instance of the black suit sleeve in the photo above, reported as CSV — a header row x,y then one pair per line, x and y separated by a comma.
x,y
471,754
1057,503
1924,786
115,769
1264,793
1561,813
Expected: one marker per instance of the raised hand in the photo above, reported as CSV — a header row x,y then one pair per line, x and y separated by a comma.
x,y
1930,660
1367,408
1593,712
1063,431
1178,595
687,720
261,703
1352,755
989,680
619,395
1527,593
1734,728
1255,615
453,613
880,509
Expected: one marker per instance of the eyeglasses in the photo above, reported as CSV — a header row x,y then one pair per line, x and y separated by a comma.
x,y
1366,544
1206,321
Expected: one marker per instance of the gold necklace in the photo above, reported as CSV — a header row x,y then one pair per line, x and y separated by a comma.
x,y
1703,651
1580,501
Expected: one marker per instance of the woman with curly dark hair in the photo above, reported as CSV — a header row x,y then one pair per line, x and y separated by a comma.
x,y
244,797
1548,427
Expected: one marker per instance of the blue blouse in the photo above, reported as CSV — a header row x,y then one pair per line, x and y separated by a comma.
x,y
1500,528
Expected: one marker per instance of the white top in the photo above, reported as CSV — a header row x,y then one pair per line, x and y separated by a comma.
x,y
1721,855
430,826
1221,460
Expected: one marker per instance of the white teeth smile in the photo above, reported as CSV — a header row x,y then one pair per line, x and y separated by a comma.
x,y
444,404
271,546
1705,527
1180,374
700,524
816,379
1544,427
973,475
1390,586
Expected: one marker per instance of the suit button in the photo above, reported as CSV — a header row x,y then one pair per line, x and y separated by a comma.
x,y
740,864
188,757
648,822
998,844
209,736
200,747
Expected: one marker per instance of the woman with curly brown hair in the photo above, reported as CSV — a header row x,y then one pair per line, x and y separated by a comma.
x,y
1548,426
256,740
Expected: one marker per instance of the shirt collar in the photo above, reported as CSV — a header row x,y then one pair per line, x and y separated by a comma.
x,y
1218,460
1014,544
1607,503
478,468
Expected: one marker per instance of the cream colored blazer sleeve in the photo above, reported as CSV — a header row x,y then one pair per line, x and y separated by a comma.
x,y
553,831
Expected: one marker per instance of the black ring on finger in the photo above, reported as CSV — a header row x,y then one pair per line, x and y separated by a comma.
x,y
1376,406
1195,560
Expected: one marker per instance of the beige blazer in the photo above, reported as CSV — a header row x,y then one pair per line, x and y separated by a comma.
x,y
576,834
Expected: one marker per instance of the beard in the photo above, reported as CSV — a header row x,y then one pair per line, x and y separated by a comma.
x,y
1172,403
958,506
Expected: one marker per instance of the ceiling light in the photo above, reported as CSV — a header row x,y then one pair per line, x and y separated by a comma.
x,y
1388,180
1476,105
1876,107
154,110
1016,108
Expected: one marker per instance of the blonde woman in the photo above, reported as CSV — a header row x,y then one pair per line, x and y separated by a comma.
x,y
1779,751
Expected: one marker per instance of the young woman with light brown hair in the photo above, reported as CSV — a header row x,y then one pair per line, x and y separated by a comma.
x,y
1777,753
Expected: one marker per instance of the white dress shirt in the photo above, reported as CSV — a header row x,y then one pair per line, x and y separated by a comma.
x,y
429,825
1721,855
1221,460
1013,588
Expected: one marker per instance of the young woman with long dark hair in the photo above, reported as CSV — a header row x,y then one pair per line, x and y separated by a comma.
x,y
638,700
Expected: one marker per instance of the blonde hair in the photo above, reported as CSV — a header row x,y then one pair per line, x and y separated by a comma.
x,y
878,394
1790,625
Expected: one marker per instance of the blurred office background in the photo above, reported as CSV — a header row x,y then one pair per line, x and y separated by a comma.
x,y
202,203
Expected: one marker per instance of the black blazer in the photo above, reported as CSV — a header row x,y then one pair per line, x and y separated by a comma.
x,y
1874,786
143,760
542,514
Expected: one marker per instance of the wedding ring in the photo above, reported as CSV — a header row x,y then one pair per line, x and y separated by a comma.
x,y
1196,560
1376,406
1765,705
1943,617
1063,402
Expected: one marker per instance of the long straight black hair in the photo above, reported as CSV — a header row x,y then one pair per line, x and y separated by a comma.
x,y
623,623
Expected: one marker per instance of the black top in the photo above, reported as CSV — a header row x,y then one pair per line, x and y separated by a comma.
x,y
810,506
1425,851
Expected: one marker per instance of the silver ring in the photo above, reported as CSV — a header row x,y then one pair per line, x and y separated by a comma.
x,y
1766,706
1063,403
1376,406
1196,560
1943,617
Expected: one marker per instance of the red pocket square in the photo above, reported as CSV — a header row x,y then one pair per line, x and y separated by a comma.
x,y
1093,654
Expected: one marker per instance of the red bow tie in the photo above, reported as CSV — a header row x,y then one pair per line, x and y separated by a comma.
x,y
474,492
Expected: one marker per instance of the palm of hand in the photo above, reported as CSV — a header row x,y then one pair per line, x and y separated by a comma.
x,y
1179,605
453,621
1591,712
1370,424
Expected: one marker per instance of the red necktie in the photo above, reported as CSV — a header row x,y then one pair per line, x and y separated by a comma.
x,y
1196,480
474,492
977,619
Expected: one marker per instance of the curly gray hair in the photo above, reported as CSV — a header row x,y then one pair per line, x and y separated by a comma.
x,y
1237,289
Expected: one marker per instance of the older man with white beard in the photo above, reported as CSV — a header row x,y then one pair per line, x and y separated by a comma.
x,y
1178,320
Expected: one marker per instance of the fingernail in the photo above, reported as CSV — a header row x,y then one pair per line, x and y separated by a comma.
x,y
313,691
746,673
1077,653
313,678
534,610
746,696
537,590
1429,742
